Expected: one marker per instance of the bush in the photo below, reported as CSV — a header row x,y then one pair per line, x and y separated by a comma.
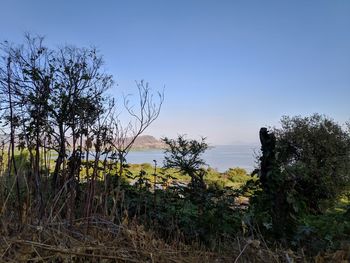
x,y
304,168
237,175
315,151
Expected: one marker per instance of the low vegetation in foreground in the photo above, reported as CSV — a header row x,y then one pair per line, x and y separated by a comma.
x,y
88,205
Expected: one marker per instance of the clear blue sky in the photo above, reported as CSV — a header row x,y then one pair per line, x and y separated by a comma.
x,y
229,67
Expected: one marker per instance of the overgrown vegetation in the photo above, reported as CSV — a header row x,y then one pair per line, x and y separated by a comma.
x,y
68,194
304,174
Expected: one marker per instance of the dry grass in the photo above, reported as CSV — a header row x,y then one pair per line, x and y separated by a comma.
x,y
99,240
102,241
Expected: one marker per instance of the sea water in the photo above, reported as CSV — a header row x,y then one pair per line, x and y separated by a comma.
x,y
221,157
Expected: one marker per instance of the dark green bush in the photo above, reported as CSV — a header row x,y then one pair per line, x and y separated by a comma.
x,y
314,152
304,168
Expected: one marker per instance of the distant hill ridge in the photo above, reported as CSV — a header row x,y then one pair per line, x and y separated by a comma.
x,y
142,142
148,142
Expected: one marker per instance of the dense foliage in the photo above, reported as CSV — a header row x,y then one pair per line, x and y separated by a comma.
x,y
304,170
316,152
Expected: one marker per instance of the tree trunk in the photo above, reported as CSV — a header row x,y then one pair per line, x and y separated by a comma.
x,y
60,158
11,157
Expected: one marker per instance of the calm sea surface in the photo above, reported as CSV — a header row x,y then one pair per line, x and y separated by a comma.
x,y
219,157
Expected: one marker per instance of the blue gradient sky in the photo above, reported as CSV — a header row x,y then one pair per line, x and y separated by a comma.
x,y
229,67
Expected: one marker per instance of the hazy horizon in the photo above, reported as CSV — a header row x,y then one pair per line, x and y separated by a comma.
x,y
228,67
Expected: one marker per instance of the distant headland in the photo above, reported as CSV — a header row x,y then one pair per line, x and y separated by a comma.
x,y
145,142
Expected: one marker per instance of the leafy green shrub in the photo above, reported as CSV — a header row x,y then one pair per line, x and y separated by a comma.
x,y
304,168
315,152
146,166
237,175
323,232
